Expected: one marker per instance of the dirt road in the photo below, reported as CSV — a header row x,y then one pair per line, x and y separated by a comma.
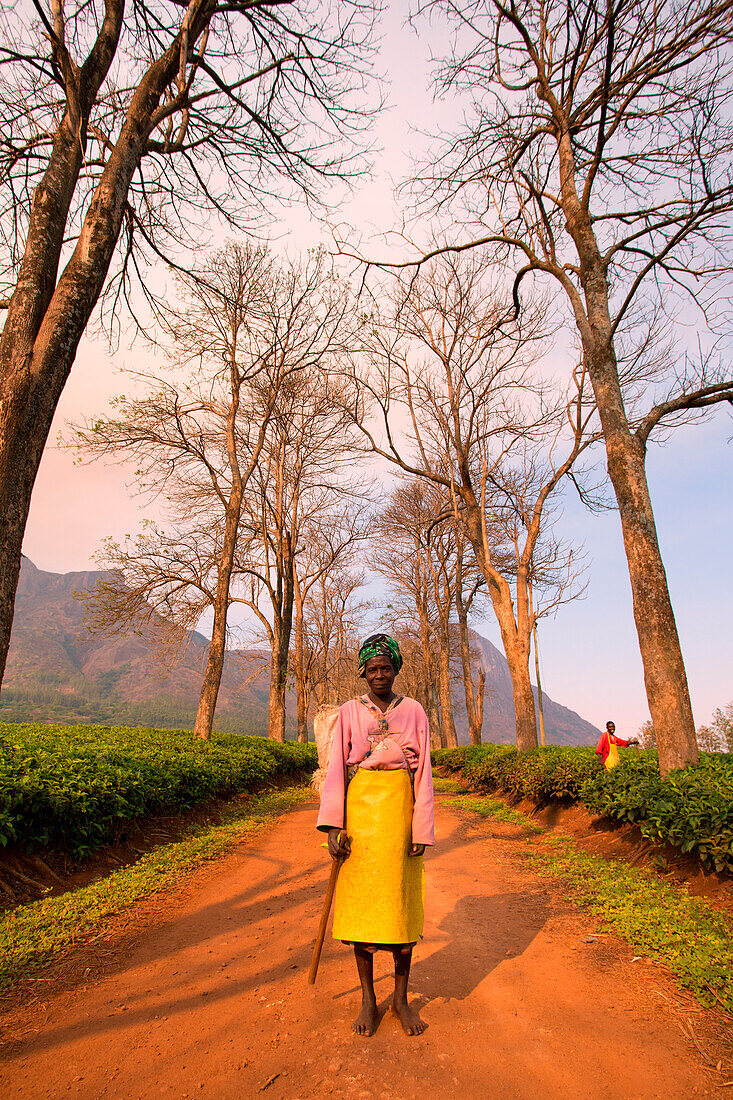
x,y
203,993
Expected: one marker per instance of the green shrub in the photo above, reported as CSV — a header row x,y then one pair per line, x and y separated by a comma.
x,y
74,787
691,808
541,774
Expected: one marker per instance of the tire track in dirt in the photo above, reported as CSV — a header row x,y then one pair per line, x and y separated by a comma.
x,y
202,993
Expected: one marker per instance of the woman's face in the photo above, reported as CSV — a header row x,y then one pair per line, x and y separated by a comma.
x,y
379,674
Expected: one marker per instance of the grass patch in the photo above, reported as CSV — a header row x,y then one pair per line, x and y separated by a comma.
x,y
441,785
32,935
493,807
657,918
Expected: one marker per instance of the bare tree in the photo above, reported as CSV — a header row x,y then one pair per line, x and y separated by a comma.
x,y
439,397
433,577
246,330
469,583
333,624
402,558
647,736
718,736
156,585
124,128
441,566
325,554
301,470
723,725
433,564
597,151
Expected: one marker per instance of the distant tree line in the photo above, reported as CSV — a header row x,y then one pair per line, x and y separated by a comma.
x,y
717,737
88,705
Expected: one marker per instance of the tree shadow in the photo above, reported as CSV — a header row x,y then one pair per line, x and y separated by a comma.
x,y
272,892
198,979
481,932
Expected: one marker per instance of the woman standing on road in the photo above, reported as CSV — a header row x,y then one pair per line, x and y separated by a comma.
x,y
379,786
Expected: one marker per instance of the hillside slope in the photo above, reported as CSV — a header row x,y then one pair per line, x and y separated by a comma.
x,y
57,671
562,726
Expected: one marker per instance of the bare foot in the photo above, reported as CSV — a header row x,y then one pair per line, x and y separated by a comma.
x,y
411,1022
366,1022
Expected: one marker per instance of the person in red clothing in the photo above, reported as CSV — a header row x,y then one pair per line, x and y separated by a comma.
x,y
607,749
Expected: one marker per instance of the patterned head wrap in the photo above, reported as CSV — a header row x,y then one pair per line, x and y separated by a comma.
x,y
380,645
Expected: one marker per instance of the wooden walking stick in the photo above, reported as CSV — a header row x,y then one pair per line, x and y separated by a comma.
x,y
320,937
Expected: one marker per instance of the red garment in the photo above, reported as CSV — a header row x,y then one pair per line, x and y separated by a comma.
x,y
604,744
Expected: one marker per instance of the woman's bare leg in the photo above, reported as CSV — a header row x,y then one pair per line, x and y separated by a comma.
x,y
366,1022
411,1022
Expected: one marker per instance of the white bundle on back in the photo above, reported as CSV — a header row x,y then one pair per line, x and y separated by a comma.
x,y
324,726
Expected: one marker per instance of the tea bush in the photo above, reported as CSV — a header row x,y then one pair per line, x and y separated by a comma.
x,y
75,787
691,808
551,772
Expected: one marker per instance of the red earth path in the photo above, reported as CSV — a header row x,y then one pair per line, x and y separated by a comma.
x,y
203,993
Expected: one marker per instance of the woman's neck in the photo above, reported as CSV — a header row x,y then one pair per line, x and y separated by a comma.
x,y
382,702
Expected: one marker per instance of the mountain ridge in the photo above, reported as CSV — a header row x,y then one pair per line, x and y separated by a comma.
x,y
56,671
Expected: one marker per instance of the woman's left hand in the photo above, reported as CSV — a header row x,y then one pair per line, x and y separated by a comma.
x,y
416,849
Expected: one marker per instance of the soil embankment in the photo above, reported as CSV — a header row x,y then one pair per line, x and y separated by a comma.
x,y
203,993
610,839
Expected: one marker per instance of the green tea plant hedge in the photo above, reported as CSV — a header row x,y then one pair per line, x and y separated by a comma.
x,y
552,772
691,808
74,787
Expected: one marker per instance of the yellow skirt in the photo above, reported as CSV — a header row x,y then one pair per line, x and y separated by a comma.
x,y
380,893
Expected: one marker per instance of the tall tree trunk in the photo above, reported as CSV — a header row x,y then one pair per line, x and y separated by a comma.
x,y
524,709
446,705
665,678
24,426
437,731
661,654
516,649
437,734
514,632
276,707
474,704
278,681
540,704
480,694
217,651
45,319
301,688
282,631
217,646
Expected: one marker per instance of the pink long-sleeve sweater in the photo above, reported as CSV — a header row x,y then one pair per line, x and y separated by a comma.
x,y
358,740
